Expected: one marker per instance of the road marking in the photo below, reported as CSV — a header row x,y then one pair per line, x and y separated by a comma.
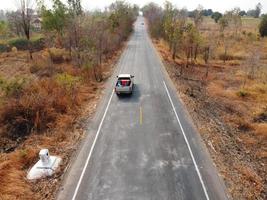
x,y
92,148
188,145
141,115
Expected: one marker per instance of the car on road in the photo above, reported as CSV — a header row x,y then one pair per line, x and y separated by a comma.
x,y
124,84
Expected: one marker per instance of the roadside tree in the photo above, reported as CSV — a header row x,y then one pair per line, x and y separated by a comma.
x,y
154,15
263,26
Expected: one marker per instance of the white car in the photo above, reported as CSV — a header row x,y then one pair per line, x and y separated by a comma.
x,y
124,84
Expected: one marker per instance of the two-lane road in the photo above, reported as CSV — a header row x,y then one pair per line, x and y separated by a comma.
x,y
142,147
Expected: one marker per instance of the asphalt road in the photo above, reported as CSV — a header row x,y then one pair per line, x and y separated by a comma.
x,y
144,146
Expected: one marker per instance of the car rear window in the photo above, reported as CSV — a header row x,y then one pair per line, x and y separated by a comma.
x,y
124,82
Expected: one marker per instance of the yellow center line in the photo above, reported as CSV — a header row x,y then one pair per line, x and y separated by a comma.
x,y
141,116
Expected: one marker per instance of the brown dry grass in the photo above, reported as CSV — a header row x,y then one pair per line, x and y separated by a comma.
x,y
229,109
38,107
11,173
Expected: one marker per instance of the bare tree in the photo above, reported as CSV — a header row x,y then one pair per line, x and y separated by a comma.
x,y
26,16
227,41
234,20
208,51
198,16
26,12
198,19
252,63
75,11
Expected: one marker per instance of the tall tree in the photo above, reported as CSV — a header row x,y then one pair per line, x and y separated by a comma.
x,y
26,12
75,11
55,19
255,12
75,7
154,15
198,16
26,16
121,17
224,23
191,42
263,26
168,23
258,10
234,20
198,19
174,26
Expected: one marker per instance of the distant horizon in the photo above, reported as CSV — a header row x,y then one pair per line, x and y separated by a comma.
x,y
189,5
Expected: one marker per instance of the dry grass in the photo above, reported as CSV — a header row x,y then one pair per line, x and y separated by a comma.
x,y
11,172
38,107
260,131
249,24
252,180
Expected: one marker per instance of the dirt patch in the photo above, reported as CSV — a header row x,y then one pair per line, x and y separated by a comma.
x,y
231,122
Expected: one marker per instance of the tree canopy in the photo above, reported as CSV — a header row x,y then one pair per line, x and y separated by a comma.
x,y
56,18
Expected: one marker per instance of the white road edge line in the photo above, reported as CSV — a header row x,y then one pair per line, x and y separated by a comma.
x,y
92,148
188,145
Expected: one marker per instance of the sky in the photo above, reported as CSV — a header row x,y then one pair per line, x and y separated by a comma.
x,y
216,5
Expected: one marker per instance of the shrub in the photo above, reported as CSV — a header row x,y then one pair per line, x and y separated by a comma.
x,y
242,93
43,70
38,44
252,36
23,44
228,56
19,43
261,117
4,48
12,87
223,56
58,55
263,26
67,80
35,68
43,67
